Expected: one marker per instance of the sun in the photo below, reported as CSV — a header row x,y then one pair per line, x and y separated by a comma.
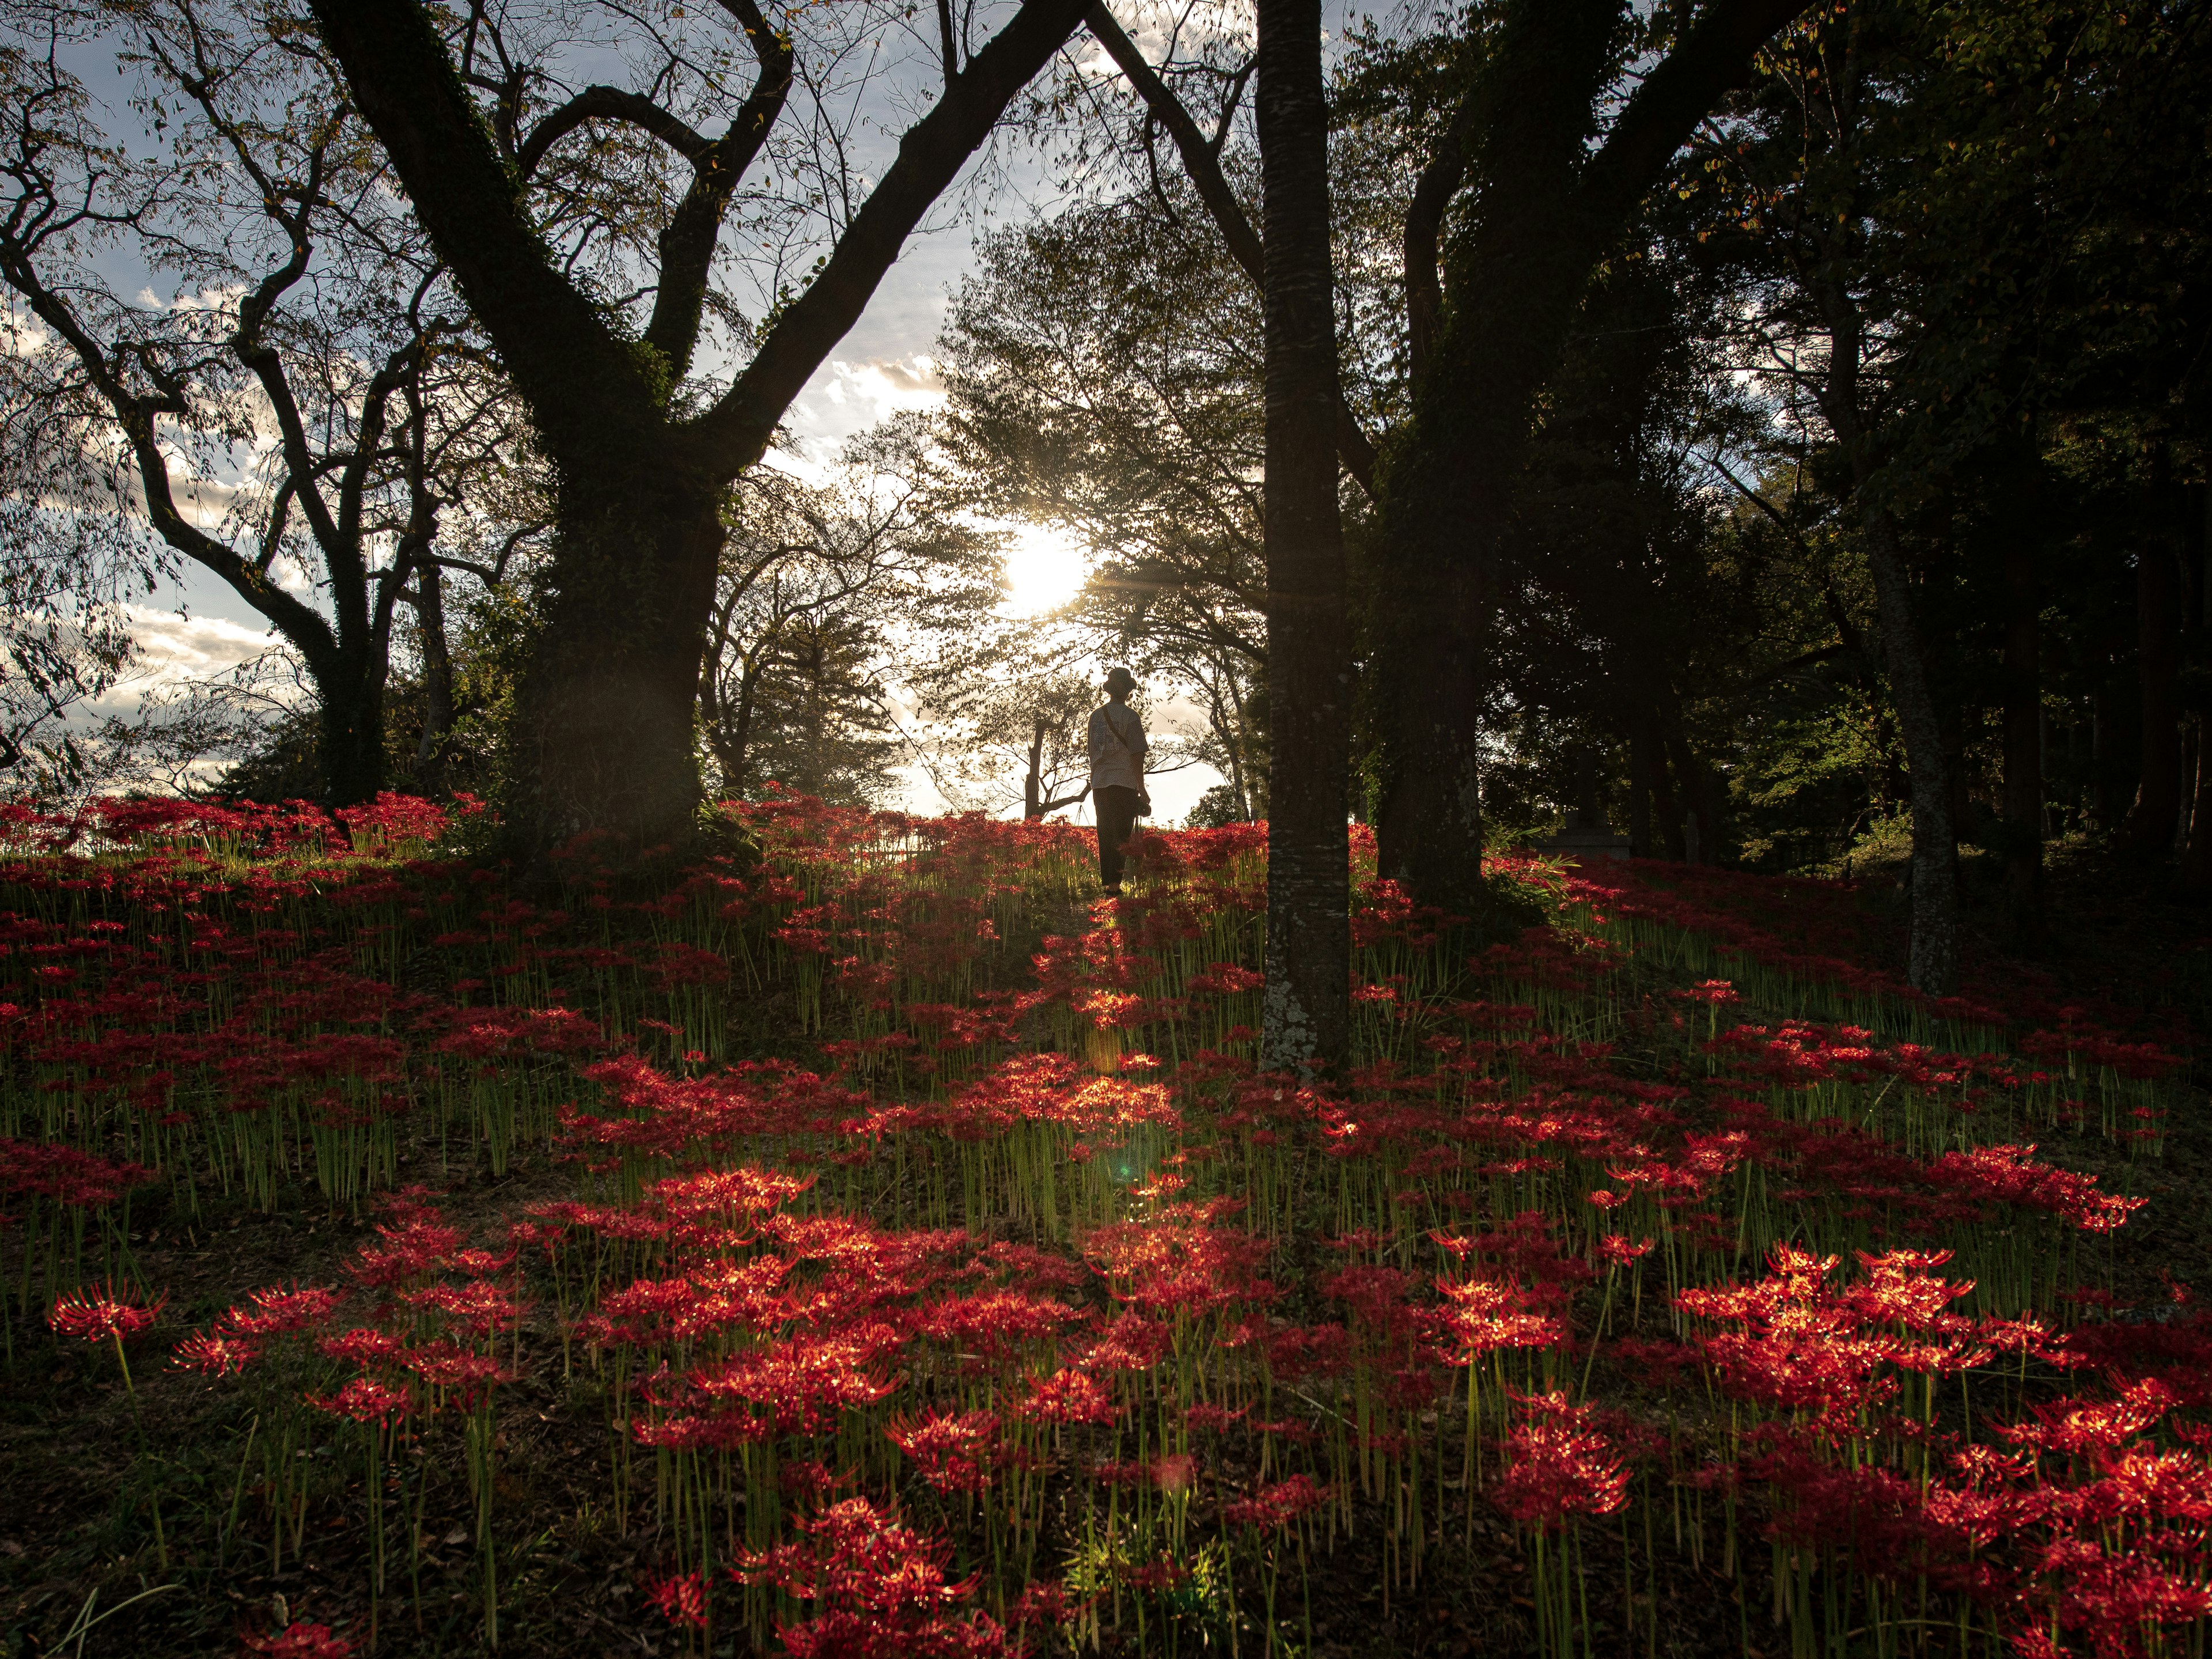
x,y
1045,569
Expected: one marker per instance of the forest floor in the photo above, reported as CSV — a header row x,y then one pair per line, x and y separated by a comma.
x,y
83,1462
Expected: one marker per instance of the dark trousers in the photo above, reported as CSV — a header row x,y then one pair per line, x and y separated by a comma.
x,y
1117,806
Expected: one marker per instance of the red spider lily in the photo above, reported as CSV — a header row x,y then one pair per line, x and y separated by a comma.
x,y
100,1316
1482,1316
1616,1251
298,1641
215,1354
1175,1472
477,1310
680,1598
469,1377
881,1589
1278,1505
277,1311
723,1432
1155,1577
363,1346
1068,1396
1045,1602
81,1180
953,1450
994,1324
1131,1342
1213,1419
363,1400
1562,1467
806,1382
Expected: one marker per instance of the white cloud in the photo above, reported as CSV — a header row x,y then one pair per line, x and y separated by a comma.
x,y
178,647
845,398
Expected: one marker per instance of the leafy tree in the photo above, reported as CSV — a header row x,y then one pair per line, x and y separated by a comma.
x,y
307,403
1103,378
826,594
585,222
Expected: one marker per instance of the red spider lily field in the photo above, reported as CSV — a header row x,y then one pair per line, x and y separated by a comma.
x,y
855,1239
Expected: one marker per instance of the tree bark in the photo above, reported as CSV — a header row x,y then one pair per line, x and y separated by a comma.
x,y
349,726
603,720
2150,827
1642,753
2023,733
1933,962
1307,1006
437,678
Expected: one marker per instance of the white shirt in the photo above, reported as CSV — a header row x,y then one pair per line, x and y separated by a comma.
x,y
1117,748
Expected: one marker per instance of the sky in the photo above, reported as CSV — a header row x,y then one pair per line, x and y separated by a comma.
x,y
196,627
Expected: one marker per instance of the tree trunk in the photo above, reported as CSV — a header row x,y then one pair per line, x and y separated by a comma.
x,y
1032,785
2103,762
1642,755
437,680
1667,807
2023,734
2151,825
349,730
1701,823
602,718
1307,1002
1934,960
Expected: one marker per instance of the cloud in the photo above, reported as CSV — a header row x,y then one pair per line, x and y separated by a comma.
x,y
178,647
845,398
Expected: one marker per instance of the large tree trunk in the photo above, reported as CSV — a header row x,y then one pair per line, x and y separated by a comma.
x,y
2023,733
602,721
437,680
603,733
1934,960
2150,828
349,730
1307,1003
1551,208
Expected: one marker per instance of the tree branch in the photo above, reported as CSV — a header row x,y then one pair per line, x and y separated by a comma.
x,y
1439,181
610,104
1715,57
1201,161
580,382
736,429
687,244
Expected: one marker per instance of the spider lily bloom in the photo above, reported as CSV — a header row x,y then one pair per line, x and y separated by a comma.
x,y
1561,1466
1175,1473
364,1400
298,1641
1278,1505
213,1354
1068,1396
681,1599
880,1589
1481,1317
808,1381
94,1316
276,1311
954,1451
1618,1252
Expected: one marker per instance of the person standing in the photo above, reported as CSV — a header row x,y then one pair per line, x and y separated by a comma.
x,y
1117,773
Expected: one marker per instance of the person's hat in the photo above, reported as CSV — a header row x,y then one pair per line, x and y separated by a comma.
x,y
1120,679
